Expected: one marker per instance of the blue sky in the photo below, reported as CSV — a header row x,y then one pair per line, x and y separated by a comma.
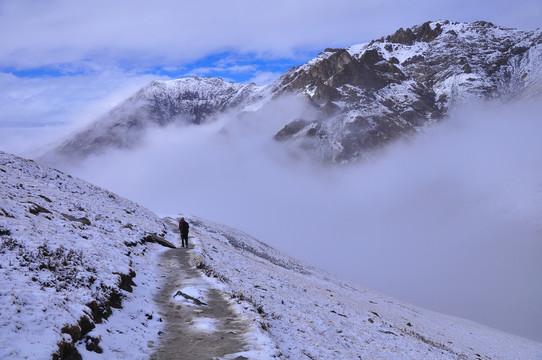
x,y
63,62
227,65
236,67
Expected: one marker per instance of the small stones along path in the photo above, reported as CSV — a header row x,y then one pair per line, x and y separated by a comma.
x,y
199,322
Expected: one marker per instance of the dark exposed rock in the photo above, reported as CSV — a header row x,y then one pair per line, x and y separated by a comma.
x,y
423,33
82,220
426,33
484,23
412,60
188,297
405,37
92,344
153,238
66,351
380,100
37,209
45,198
518,50
290,129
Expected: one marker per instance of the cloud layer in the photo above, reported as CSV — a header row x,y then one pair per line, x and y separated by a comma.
x,y
449,221
165,32
35,112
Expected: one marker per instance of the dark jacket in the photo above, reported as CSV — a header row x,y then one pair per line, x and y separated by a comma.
x,y
183,227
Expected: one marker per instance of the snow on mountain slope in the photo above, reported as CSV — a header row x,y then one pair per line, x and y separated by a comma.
x,y
69,254
78,272
378,91
368,94
312,314
160,103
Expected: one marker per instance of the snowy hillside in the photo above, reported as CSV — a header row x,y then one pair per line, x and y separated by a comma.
x,y
367,95
69,254
84,271
312,314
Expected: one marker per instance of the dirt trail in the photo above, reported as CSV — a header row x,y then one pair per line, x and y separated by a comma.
x,y
193,330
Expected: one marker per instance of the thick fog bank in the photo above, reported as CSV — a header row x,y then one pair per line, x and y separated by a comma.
x,y
449,221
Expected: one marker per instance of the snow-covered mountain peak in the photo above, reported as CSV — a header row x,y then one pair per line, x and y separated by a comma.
x,y
204,87
368,94
160,103
378,91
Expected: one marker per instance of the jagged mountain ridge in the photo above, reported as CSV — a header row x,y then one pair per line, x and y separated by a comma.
x,y
367,95
397,84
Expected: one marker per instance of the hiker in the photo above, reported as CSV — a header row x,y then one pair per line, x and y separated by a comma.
x,y
183,228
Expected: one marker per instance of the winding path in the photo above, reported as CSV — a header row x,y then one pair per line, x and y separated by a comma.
x,y
199,321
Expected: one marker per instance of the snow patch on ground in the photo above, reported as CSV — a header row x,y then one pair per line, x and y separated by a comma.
x,y
204,324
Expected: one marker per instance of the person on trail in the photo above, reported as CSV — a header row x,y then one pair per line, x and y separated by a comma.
x,y
183,228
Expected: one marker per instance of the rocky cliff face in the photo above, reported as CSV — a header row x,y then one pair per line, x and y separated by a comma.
x,y
367,95
373,93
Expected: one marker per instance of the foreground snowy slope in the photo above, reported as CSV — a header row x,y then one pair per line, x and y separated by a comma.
x,y
312,314
68,253
80,273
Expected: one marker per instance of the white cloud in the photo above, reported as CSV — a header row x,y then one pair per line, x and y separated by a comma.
x,y
37,111
235,69
170,32
450,221
264,77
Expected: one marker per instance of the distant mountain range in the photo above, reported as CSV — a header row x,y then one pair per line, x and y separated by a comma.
x,y
366,95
